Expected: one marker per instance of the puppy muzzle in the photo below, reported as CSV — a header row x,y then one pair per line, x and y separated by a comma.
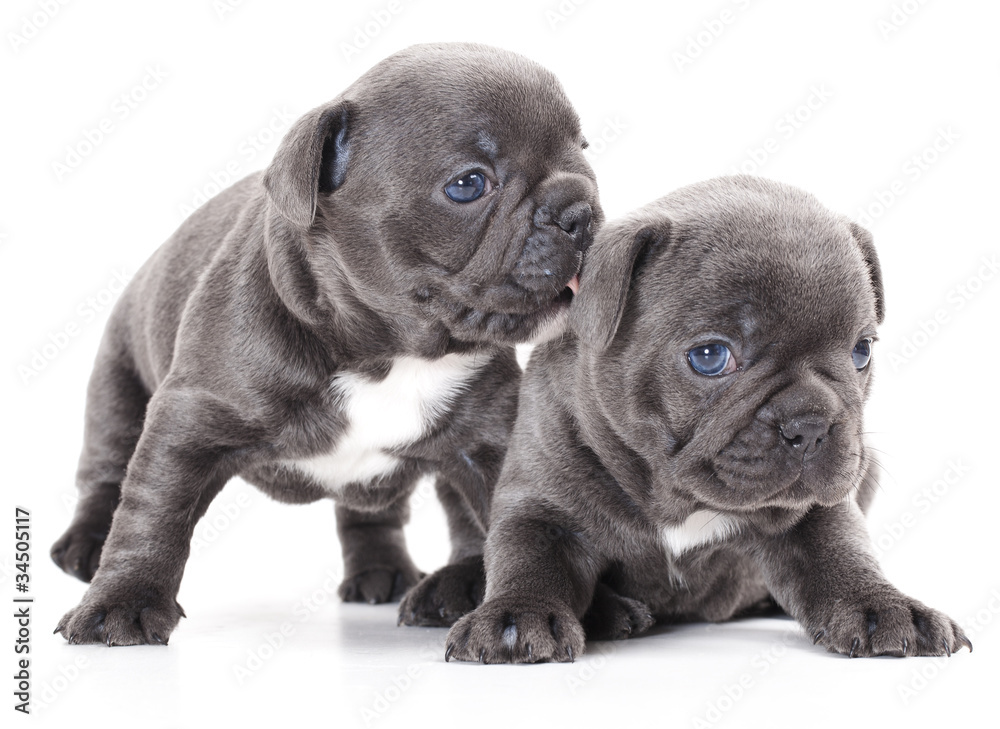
x,y
553,252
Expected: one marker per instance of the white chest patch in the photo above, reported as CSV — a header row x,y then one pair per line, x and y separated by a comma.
x,y
701,527
388,414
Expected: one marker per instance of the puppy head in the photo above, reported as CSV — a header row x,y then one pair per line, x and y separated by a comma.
x,y
449,180
726,334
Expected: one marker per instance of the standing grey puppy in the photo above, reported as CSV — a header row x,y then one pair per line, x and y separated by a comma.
x,y
338,327
697,450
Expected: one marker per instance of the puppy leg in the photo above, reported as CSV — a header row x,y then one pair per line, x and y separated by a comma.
x,y
823,573
116,404
377,567
185,455
540,580
615,617
443,597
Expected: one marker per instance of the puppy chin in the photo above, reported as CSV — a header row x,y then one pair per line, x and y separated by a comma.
x,y
555,325
550,329
749,493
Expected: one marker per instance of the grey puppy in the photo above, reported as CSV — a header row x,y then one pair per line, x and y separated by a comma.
x,y
338,326
697,450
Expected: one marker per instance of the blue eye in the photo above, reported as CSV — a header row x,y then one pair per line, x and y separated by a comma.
x,y
710,359
862,353
467,188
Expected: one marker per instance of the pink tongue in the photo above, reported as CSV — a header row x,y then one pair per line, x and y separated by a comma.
x,y
574,285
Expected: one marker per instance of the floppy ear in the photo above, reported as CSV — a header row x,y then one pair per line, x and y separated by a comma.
x,y
606,277
867,245
312,158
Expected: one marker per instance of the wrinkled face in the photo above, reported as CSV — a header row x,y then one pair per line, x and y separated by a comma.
x,y
466,196
743,360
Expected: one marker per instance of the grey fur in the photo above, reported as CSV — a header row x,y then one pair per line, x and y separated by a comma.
x,y
618,439
344,255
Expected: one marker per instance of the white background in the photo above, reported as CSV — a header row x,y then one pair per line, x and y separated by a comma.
x,y
882,93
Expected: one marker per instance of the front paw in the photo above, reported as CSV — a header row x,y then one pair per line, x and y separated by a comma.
x,y
516,631
380,584
615,617
443,597
888,624
137,616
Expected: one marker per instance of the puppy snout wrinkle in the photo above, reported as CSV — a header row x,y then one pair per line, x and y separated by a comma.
x,y
552,253
804,434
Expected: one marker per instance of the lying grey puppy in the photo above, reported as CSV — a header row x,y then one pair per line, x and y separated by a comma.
x,y
337,327
698,449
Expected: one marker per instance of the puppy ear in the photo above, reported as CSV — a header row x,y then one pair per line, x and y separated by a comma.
x,y
609,266
867,245
312,158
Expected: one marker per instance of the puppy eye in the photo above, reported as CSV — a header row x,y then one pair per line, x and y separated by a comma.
x,y
711,360
467,188
862,353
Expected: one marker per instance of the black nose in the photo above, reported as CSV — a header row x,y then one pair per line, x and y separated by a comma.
x,y
575,220
804,434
